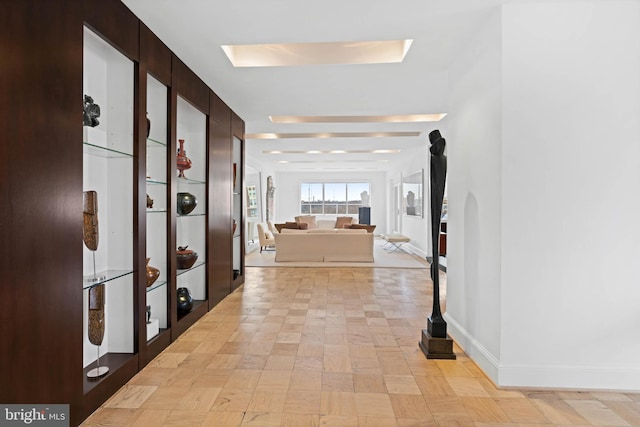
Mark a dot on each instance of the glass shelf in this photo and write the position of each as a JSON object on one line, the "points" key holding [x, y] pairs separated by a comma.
{"points": [[109, 275], [191, 215], [156, 210], [152, 143], [196, 265], [156, 285], [151, 181], [99, 151], [189, 181]]}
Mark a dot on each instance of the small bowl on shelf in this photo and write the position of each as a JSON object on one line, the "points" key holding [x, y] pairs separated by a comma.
{"points": [[185, 258]]}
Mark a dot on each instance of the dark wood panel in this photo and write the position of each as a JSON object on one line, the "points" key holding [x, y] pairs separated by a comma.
{"points": [[200, 308], [221, 255], [155, 55], [123, 367], [237, 126], [189, 85], [115, 23], [41, 209], [220, 111], [155, 346]]}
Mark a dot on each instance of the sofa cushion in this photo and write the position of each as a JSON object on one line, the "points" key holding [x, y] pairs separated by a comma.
{"points": [[308, 219], [341, 221]]}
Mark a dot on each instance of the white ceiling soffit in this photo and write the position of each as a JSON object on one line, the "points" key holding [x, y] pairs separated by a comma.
{"points": [[196, 30]]}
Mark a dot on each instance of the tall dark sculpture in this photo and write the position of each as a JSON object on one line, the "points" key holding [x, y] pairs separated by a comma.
{"points": [[435, 343]]}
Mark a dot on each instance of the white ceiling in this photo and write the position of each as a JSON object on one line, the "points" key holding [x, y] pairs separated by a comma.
{"points": [[196, 29]]}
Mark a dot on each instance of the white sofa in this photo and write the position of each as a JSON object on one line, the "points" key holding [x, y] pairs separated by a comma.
{"points": [[319, 245]]}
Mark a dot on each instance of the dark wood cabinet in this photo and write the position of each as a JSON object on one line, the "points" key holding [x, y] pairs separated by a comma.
{"points": [[48, 159]]}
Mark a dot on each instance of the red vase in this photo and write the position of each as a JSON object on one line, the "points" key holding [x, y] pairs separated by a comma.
{"points": [[182, 161]]}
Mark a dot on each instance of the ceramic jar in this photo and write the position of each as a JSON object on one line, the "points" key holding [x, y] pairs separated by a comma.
{"points": [[185, 258], [186, 203], [152, 273]]}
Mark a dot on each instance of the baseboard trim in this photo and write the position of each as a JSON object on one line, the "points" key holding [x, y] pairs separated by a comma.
{"points": [[611, 378], [473, 348]]}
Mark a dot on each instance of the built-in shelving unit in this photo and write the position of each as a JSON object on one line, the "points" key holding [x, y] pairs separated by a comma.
{"points": [[237, 203], [157, 150], [109, 303], [191, 229], [63, 288]]}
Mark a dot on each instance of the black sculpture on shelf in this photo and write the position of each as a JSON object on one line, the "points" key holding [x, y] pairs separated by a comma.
{"points": [[185, 301], [435, 343], [90, 112]]}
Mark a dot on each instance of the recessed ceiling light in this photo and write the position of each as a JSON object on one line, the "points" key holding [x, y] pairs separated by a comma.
{"points": [[330, 135], [407, 118], [280, 55]]}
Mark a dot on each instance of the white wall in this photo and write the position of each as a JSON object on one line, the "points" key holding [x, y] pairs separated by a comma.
{"points": [[571, 175], [418, 229], [474, 182], [560, 150], [287, 196]]}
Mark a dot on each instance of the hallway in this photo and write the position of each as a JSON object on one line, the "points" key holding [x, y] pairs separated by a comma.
{"points": [[334, 347]]}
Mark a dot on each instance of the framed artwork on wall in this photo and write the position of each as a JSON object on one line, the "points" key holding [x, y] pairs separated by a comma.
{"points": [[413, 194]]}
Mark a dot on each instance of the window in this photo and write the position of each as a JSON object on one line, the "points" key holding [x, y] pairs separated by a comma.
{"points": [[333, 198]]}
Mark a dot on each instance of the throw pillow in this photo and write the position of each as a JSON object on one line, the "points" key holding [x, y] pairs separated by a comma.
{"points": [[308, 219], [341, 221], [268, 235]]}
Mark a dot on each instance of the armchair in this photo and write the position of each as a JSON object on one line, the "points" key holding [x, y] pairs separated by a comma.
{"points": [[266, 237]]}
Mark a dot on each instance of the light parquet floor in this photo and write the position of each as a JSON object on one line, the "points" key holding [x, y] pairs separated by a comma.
{"points": [[334, 347]]}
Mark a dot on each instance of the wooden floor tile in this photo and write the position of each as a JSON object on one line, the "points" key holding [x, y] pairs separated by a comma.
{"points": [[149, 418], [559, 412], [130, 396], [222, 419], [369, 383], [302, 379], [374, 405], [261, 419], [322, 347], [232, 400], [484, 409], [266, 400], [597, 413], [302, 402], [410, 406], [521, 411]]}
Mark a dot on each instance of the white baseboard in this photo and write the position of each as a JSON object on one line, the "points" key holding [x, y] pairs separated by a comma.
{"points": [[611, 378], [474, 349], [408, 247]]}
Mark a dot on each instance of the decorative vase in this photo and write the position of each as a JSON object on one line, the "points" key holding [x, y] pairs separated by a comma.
{"points": [[185, 258], [149, 202], [185, 301], [182, 161], [186, 203], [152, 274], [235, 225]]}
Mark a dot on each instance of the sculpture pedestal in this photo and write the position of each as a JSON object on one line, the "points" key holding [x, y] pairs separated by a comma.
{"points": [[436, 348]]}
